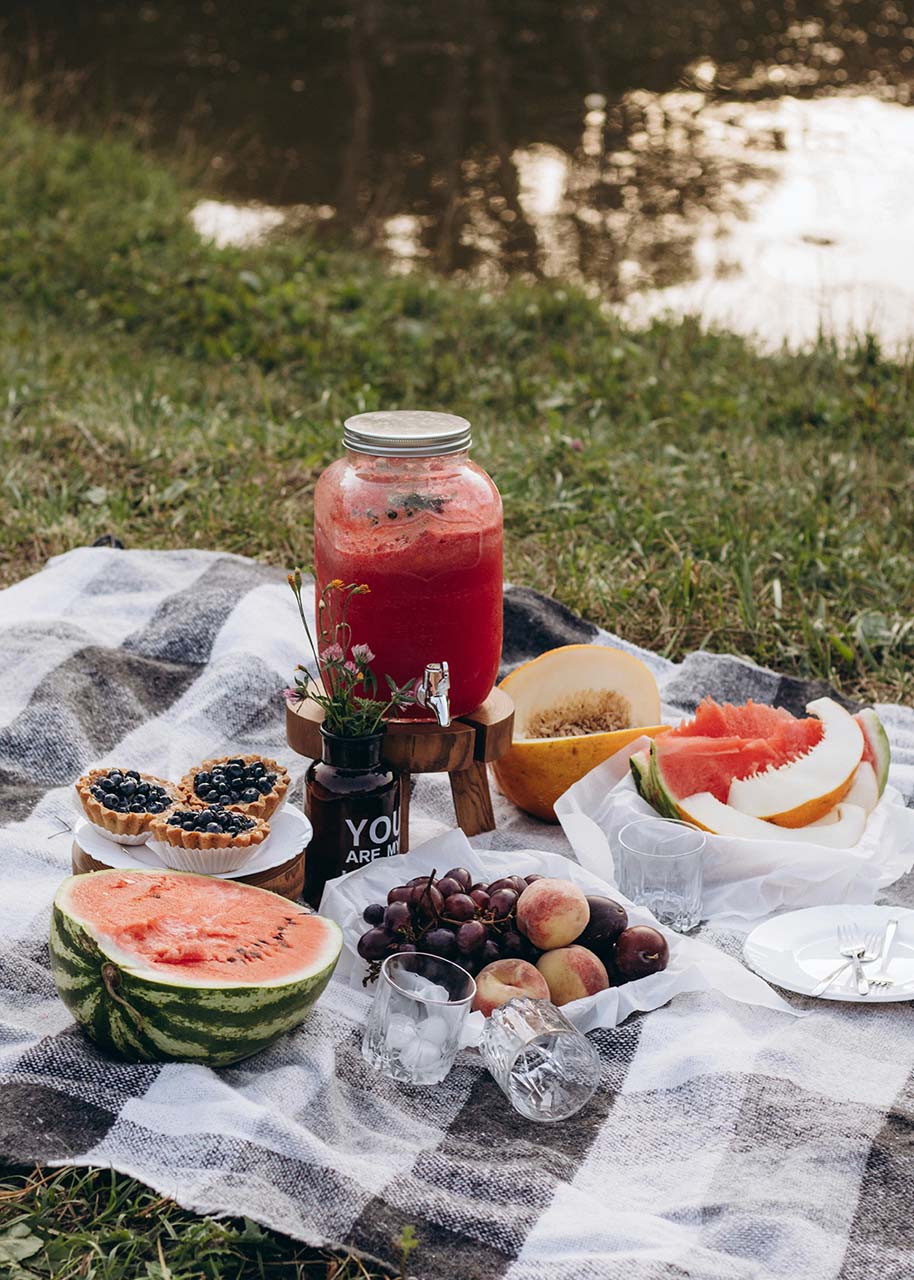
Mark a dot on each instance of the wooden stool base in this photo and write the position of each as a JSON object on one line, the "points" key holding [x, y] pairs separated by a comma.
{"points": [[288, 879], [462, 750]]}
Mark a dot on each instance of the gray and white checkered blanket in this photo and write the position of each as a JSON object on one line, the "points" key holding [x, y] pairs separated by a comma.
{"points": [[726, 1141]]}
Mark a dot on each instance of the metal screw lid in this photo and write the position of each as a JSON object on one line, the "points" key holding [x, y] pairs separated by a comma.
{"points": [[405, 432]]}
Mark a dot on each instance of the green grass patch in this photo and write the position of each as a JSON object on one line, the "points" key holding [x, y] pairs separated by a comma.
{"points": [[671, 484], [85, 1224]]}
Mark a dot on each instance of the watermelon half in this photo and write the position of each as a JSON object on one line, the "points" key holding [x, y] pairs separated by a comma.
{"points": [[167, 966]]}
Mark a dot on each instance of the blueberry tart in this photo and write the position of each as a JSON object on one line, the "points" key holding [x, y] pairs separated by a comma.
{"points": [[251, 785], [122, 803], [206, 839]]}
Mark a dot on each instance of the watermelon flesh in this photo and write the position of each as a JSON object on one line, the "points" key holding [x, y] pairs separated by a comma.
{"points": [[160, 966], [697, 757]]}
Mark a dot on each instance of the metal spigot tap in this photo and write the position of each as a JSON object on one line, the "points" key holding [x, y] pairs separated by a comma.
{"points": [[433, 692]]}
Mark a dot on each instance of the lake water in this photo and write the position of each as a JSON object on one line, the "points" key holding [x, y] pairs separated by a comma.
{"points": [[750, 161]]}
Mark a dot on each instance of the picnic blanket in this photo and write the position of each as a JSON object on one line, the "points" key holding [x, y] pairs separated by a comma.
{"points": [[726, 1140]]}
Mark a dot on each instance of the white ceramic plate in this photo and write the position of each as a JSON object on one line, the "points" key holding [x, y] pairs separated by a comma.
{"points": [[290, 831], [799, 950]]}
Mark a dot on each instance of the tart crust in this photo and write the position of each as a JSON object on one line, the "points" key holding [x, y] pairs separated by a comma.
{"points": [[121, 824], [181, 839], [263, 807]]}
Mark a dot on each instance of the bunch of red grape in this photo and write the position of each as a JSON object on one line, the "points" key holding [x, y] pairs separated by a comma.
{"points": [[470, 923]]}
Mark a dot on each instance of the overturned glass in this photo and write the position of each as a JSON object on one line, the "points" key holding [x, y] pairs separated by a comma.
{"points": [[544, 1066]]}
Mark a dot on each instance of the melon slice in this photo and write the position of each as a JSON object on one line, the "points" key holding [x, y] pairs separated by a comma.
{"points": [[159, 966], [573, 708], [864, 788], [804, 789], [842, 831]]}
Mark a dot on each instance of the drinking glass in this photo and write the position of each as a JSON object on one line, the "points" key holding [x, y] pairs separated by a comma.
{"points": [[543, 1065], [659, 866], [415, 1023]]}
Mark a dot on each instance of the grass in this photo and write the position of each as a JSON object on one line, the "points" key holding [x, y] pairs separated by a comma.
{"points": [[80, 1224], [670, 484]]}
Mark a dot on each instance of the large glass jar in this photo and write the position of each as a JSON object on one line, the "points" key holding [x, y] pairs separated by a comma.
{"points": [[407, 513]]}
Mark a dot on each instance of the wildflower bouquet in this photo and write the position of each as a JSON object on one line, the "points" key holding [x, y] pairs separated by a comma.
{"points": [[344, 668]]}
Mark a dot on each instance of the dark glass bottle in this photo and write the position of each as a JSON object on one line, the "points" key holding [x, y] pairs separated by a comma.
{"points": [[353, 802]]}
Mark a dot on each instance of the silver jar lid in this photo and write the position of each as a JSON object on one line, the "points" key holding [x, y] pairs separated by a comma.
{"points": [[405, 432]]}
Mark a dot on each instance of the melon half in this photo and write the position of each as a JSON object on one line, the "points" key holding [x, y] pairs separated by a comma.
{"points": [[573, 708]]}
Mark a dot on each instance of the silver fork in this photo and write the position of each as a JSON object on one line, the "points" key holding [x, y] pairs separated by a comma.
{"points": [[881, 978], [858, 949], [869, 951]]}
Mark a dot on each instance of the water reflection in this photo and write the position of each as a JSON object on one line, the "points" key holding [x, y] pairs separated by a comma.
{"points": [[675, 151]]}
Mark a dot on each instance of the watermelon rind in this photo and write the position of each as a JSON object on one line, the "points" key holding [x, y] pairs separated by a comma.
{"points": [[877, 748], [146, 1018], [640, 765], [661, 798]]}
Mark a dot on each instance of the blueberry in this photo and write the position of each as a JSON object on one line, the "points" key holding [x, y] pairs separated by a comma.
{"points": [[264, 786], [132, 773], [127, 788], [137, 807], [250, 795]]}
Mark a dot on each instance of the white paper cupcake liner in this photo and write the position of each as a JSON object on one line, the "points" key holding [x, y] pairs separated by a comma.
{"points": [[205, 862], [116, 836]]}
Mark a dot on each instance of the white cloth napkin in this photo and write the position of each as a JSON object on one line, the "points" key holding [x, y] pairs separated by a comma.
{"points": [[694, 965], [744, 880]]}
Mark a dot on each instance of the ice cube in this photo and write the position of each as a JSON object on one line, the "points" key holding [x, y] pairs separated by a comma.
{"points": [[420, 1055], [400, 1031], [418, 985], [434, 1029]]}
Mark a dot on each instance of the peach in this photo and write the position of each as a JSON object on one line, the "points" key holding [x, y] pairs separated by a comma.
{"points": [[572, 973], [552, 913], [503, 980]]}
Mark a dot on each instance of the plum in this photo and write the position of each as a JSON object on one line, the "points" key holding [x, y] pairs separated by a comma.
{"points": [[608, 919], [640, 951]]}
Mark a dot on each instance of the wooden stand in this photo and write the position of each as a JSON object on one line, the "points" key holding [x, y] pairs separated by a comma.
{"points": [[287, 879], [462, 750]]}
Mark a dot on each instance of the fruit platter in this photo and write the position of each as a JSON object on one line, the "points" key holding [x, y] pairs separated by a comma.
{"points": [[797, 810], [565, 935]]}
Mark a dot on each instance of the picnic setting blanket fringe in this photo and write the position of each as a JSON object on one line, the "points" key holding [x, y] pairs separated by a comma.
{"points": [[726, 1140]]}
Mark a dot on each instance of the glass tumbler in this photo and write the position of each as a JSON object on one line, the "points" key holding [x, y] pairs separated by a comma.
{"points": [[415, 1023], [659, 866], [543, 1065]]}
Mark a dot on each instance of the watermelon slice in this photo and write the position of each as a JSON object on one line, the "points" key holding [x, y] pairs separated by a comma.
{"points": [[723, 743], [770, 766], [809, 785], [163, 965], [876, 750]]}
